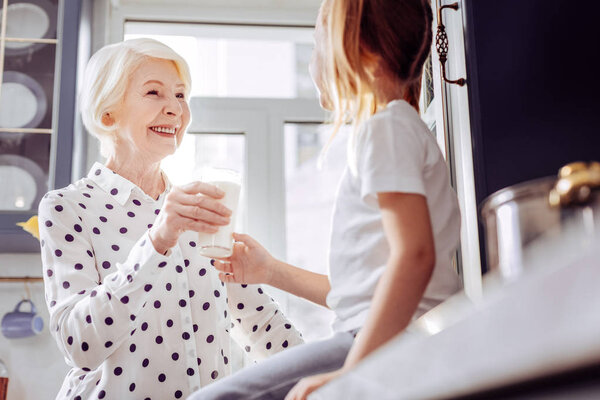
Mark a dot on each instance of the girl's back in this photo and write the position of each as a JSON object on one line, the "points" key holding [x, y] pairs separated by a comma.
{"points": [[397, 153]]}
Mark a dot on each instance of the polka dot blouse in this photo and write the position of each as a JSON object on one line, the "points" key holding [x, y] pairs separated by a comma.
{"points": [[133, 323]]}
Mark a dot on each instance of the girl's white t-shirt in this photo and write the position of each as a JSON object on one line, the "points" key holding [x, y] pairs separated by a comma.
{"points": [[396, 153]]}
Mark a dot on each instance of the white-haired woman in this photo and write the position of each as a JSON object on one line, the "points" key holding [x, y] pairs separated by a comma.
{"points": [[134, 308]]}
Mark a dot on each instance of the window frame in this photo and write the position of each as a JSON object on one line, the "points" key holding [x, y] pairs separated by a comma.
{"points": [[262, 121]]}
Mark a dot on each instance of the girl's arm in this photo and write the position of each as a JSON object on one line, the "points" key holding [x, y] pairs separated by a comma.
{"points": [[300, 282], [407, 227], [251, 263]]}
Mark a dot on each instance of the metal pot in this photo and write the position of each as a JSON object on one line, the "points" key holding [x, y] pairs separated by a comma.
{"points": [[525, 222]]}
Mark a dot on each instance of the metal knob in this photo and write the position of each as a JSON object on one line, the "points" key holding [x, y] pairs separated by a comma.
{"points": [[575, 184]]}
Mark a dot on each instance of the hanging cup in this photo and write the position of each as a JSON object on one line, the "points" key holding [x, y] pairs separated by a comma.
{"points": [[21, 324]]}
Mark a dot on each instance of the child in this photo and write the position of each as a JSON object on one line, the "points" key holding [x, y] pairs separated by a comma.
{"points": [[396, 221]]}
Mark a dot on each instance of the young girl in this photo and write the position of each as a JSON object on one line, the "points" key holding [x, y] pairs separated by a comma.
{"points": [[396, 221]]}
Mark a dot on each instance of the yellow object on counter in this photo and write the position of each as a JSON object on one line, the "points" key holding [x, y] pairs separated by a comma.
{"points": [[31, 226]]}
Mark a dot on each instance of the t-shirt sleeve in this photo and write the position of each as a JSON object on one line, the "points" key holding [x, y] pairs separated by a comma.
{"points": [[391, 158]]}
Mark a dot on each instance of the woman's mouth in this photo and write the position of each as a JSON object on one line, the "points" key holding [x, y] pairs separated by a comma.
{"points": [[164, 130]]}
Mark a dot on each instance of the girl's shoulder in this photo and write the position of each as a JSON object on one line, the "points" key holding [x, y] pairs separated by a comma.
{"points": [[398, 119]]}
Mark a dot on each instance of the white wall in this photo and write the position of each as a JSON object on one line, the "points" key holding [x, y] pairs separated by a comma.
{"points": [[36, 368]]}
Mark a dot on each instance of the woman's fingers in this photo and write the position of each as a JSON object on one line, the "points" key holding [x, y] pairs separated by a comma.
{"points": [[201, 214], [203, 188], [198, 226], [202, 202]]}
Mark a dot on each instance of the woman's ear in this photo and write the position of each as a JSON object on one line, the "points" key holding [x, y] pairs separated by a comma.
{"points": [[108, 119]]}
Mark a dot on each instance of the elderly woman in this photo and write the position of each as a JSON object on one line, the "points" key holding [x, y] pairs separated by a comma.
{"points": [[135, 309]]}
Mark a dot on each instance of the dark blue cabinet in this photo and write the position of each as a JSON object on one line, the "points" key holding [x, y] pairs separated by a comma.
{"points": [[533, 89], [37, 113]]}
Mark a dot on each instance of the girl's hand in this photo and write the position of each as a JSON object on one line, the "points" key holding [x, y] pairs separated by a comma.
{"points": [[308, 385], [193, 207], [249, 263]]}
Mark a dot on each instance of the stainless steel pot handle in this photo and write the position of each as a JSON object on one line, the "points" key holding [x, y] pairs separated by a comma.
{"points": [[575, 184]]}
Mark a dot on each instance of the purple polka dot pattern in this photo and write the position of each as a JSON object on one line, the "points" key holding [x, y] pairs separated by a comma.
{"points": [[96, 246]]}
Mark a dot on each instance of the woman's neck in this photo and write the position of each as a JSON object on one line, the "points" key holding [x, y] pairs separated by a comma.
{"points": [[146, 175]]}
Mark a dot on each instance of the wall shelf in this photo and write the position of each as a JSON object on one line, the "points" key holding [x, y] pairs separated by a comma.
{"points": [[21, 279]]}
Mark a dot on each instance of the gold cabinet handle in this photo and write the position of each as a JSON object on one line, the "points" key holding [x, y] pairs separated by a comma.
{"points": [[575, 184], [441, 45]]}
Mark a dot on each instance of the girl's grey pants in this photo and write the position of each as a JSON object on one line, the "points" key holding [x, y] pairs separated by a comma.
{"points": [[272, 379]]}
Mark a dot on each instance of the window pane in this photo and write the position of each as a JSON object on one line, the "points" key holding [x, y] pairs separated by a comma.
{"points": [[310, 195], [198, 150], [216, 150], [238, 61]]}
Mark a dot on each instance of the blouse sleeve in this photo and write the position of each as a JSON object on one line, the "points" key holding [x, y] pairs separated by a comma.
{"points": [[258, 324], [89, 319]]}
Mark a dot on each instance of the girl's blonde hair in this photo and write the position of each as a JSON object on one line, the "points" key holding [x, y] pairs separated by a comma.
{"points": [[361, 33], [106, 77]]}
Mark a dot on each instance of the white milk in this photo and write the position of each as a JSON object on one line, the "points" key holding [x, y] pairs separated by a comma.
{"points": [[217, 245]]}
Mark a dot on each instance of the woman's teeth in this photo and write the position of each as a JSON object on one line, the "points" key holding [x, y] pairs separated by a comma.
{"points": [[163, 129]]}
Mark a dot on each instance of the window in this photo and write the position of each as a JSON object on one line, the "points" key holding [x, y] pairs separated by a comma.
{"points": [[201, 149], [238, 61], [254, 109], [310, 195]]}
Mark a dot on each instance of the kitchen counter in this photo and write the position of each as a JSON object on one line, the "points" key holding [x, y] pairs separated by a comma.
{"points": [[544, 324]]}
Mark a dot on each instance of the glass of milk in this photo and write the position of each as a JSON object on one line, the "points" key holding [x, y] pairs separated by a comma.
{"points": [[220, 244]]}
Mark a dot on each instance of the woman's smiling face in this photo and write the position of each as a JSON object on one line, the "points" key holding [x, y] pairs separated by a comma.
{"points": [[154, 113]]}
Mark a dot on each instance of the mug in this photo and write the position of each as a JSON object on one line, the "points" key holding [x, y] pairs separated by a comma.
{"points": [[22, 324]]}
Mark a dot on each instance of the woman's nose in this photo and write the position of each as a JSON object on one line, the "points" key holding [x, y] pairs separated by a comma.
{"points": [[173, 107]]}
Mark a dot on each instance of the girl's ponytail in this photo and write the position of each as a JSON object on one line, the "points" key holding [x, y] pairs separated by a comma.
{"points": [[413, 94], [362, 33]]}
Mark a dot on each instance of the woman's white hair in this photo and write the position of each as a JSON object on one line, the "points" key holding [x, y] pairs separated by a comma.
{"points": [[106, 77]]}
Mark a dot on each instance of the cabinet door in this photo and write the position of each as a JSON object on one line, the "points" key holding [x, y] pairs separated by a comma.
{"points": [[529, 105], [38, 52]]}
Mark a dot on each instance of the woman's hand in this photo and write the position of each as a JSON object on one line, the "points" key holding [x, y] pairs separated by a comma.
{"points": [[249, 263], [308, 385], [193, 207]]}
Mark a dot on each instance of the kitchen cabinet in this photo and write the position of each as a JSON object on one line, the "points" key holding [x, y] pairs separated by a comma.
{"points": [[528, 107], [39, 43]]}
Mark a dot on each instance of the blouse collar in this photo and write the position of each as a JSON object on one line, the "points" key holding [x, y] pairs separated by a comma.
{"points": [[117, 186]]}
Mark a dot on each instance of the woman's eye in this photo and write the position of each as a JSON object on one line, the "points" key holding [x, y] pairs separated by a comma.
{"points": [[180, 96], [153, 92]]}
